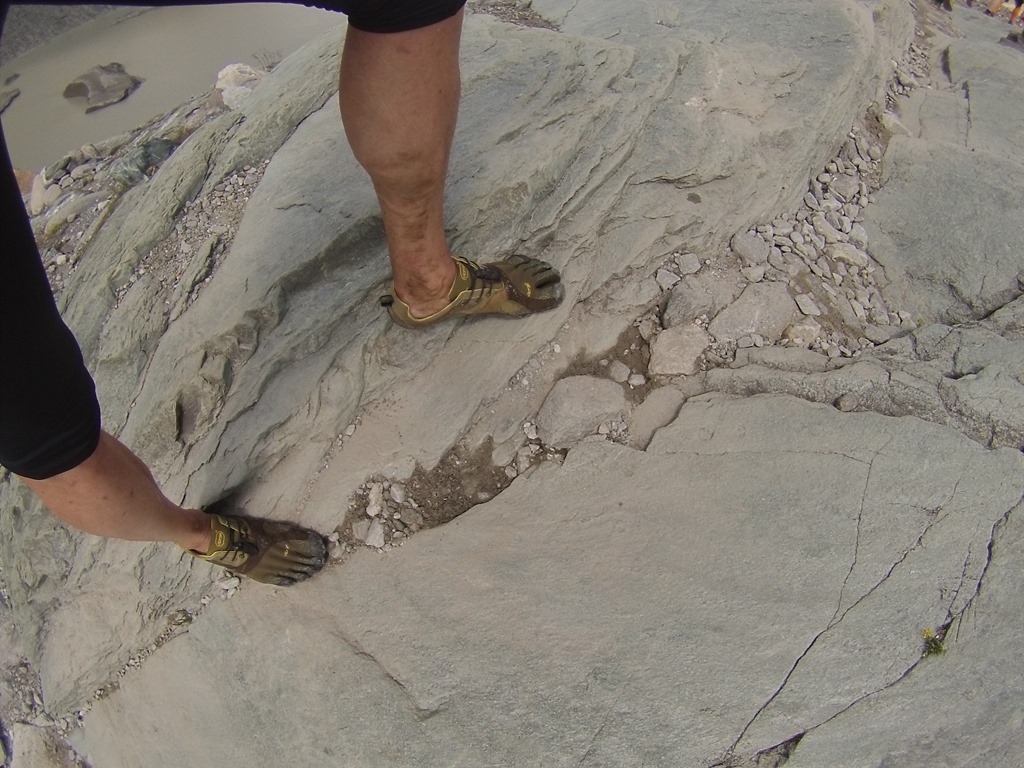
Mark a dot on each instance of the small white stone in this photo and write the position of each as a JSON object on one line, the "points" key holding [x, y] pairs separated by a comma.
{"points": [[666, 279], [688, 263], [807, 304], [618, 371], [530, 430], [375, 501], [648, 328], [335, 550], [754, 274], [361, 529], [636, 380], [398, 493], [375, 536], [231, 582]]}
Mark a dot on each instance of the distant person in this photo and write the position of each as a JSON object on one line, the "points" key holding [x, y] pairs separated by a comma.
{"points": [[399, 92], [1015, 14], [995, 7]]}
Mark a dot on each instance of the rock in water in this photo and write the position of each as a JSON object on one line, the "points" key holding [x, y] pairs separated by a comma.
{"points": [[103, 86]]}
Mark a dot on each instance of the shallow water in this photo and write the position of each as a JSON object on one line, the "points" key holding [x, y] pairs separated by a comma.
{"points": [[177, 50]]}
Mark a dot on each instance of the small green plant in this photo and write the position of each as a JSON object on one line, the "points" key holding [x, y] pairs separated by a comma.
{"points": [[267, 60], [933, 643]]}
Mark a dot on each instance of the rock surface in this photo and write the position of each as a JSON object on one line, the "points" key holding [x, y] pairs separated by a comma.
{"points": [[813, 535], [235, 82], [576, 407], [535, 653]]}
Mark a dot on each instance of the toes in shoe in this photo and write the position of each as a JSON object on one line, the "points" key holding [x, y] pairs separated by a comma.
{"points": [[264, 550], [514, 286]]}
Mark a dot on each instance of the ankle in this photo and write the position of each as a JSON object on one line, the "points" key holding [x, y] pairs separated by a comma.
{"points": [[195, 536], [427, 292]]}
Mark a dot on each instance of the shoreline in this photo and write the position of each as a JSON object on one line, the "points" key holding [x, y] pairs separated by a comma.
{"points": [[29, 26]]}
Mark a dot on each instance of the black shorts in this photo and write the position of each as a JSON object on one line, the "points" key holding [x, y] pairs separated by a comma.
{"points": [[49, 418], [368, 15], [49, 415]]}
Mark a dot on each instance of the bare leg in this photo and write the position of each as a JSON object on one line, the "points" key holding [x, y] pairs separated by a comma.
{"points": [[399, 98], [113, 494]]}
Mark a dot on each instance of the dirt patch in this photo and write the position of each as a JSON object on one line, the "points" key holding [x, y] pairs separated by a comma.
{"points": [[462, 479], [630, 349], [513, 12], [384, 512]]}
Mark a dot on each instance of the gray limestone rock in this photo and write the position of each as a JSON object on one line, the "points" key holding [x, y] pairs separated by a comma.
{"points": [[677, 351], [754, 274], [658, 409], [689, 263], [959, 707], [783, 599], [845, 187], [361, 529], [766, 309], [601, 147], [849, 254], [750, 247], [988, 76], [970, 377], [782, 359], [826, 230], [576, 407], [803, 332], [946, 274], [618, 371], [805, 302], [666, 279], [706, 293], [375, 534], [34, 747]]}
